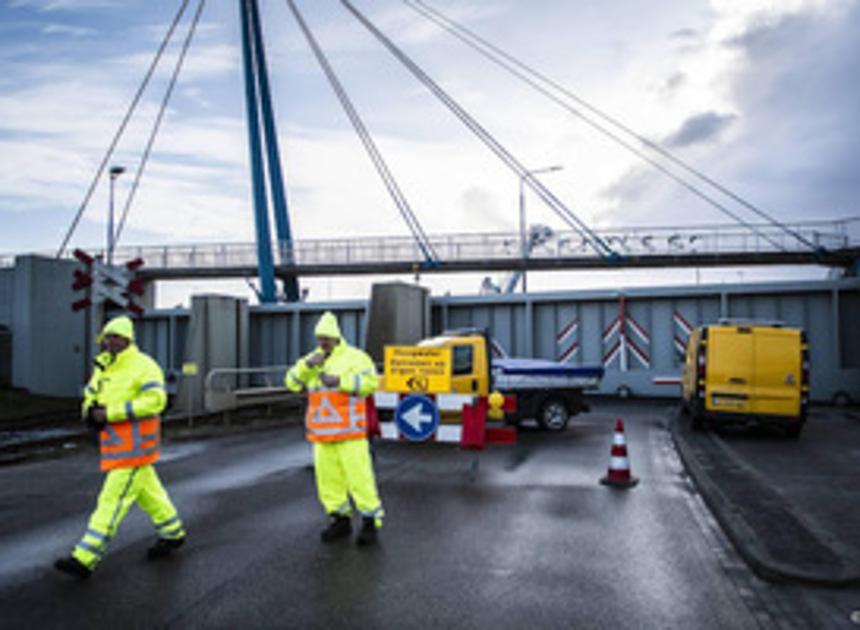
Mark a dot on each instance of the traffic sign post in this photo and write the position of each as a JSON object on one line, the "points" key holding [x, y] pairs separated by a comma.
{"points": [[417, 418], [417, 369]]}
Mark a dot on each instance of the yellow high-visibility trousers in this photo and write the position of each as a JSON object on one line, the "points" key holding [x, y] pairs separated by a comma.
{"points": [[121, 489], [344, 470]]}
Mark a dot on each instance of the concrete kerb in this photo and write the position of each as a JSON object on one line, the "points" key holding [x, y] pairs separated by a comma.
{"points": [[748, 545]]}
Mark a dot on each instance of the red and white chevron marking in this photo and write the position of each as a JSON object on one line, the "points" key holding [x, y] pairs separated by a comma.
{"points": [[568, 353], [568, 332], [625, 344], [638, 330], [684, 330], [613, 328]]}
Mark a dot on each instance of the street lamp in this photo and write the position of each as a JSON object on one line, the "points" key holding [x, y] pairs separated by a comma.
{"points": [[523, 237], [115, 171]]}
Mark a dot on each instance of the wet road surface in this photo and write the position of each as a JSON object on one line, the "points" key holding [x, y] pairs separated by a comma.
{"points": [[529, 541]]}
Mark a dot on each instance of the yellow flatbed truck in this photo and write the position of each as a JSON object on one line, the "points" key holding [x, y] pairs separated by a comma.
{"points": [[549, 392]]}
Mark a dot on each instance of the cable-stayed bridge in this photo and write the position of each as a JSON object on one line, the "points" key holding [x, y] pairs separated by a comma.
{"points": [[755, 236]]}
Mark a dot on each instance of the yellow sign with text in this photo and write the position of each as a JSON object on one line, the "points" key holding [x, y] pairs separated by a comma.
{"points": [[416, 369], [189, 369]]}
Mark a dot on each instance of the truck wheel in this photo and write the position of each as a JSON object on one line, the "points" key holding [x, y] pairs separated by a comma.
{"points": [[553, 415]]}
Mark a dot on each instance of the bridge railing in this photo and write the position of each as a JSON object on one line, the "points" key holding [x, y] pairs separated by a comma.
{"points": [[643, 241], [713, 239]]}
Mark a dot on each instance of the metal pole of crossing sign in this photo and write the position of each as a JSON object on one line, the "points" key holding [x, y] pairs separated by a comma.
{"points": [[115, 171]]}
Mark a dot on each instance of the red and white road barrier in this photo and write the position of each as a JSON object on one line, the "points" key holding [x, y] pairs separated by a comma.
{"points": [[619, 475], [473, 432]]}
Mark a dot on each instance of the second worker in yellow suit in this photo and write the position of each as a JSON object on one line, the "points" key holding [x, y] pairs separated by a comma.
{"points": [[338, 377], [122, 401]]}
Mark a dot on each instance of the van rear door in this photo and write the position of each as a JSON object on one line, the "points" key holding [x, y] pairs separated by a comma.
{"points": [[777, 372], [729, 369]]}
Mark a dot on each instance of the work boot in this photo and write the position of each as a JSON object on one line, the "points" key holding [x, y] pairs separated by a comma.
{"points": [[339, 527], [164, 547], [367, 535], [74, 567]]}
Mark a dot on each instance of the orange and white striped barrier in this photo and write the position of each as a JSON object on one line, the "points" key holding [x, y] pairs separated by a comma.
{"points": [[619, 475]]}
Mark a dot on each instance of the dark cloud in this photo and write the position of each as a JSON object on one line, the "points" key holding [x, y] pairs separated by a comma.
{"points": [[795, 144], [674, 82], [699, 128], [684, 34]]}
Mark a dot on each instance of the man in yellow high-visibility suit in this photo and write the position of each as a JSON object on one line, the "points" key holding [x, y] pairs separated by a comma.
{"points": [[122, 401], [338, 377]]}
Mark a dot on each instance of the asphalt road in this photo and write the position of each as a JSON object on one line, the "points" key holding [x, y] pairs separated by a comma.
{"points": [[530, 541]]}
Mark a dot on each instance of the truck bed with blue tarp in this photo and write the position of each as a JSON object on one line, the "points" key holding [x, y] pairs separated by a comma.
{"points": [[511, 374]]}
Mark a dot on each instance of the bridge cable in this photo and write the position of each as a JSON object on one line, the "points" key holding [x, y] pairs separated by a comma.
{"points": [[530, 76], [157, 124], [123, 124], [494, 145], [376, 157]]}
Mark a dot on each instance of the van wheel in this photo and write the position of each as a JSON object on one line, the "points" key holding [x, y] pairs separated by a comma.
{"points": [[793, 431], [553, 415], [696, 422], [841, 399]]}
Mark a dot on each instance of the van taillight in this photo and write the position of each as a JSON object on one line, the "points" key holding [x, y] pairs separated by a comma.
{"points": [[700, 371], [804, 373]]}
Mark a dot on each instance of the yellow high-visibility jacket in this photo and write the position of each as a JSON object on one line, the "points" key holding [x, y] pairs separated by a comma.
{"points": [[130, 386]]}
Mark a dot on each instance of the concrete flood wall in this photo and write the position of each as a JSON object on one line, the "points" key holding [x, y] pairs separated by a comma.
{"points": [[398, 313], [48, 350]]}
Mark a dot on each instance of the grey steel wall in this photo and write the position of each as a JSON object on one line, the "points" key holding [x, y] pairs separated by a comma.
{"points": [[577, 327], [279, 334], [580, 327]]}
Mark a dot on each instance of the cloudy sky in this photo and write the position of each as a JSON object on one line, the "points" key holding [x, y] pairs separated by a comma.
{"points": [[758, 94]]}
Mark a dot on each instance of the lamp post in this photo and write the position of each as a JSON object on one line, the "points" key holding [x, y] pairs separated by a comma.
{"points": [[115, 171], [524, 246]]}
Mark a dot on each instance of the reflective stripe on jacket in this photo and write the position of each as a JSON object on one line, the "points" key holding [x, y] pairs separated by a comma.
{"points": [[334, 416], [130, 444]]}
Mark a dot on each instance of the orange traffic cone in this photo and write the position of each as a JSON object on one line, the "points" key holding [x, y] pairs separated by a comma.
{"points": [[618, 474]]}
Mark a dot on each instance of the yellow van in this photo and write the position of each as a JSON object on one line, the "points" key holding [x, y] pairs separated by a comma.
{"points": [[743, 372]]}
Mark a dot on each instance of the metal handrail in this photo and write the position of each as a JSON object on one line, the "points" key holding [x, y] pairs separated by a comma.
{"points": [[221, 393], [642, 240]]}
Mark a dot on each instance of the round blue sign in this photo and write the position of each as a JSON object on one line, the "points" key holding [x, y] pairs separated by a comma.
{"points": [[417, 417]]}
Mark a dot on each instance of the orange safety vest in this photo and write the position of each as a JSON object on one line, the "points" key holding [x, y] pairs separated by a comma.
{"points": [[334, 416], [130, 443]]}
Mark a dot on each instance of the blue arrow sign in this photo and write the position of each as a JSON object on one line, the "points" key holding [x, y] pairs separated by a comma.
{"points": [[417, 417]]}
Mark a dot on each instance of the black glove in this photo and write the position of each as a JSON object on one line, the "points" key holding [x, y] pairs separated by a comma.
{"points": [[95, 425]]}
